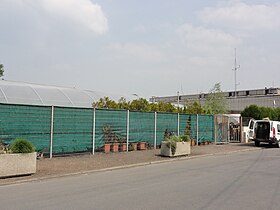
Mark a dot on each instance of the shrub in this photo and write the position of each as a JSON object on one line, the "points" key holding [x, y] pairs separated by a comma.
{"points": [[22, 146], [171, 142], [185, 138]]}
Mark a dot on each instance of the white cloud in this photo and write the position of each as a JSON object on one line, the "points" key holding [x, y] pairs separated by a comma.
{"points": [[83, 12], [140, 52], [209, 41], [243, 16]]}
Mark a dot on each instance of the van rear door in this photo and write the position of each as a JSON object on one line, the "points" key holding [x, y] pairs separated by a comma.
{"points": [[251, 129]]}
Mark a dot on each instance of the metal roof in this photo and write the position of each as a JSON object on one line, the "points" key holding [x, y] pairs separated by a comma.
{"points": [[34, 94]]}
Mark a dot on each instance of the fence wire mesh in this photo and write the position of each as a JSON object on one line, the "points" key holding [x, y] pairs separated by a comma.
{"points": [[187, 125], [142, 127], [166, 123], [206, 128], [73, 128], [25, 122], [110, 127]]}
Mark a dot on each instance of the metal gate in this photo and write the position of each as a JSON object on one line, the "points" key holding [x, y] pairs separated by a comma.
{"points": [[234, 129], [221, 129]]}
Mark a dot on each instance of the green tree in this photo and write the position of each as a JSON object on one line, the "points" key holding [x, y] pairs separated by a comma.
{"points": [[140, 104], [105, 103], [216, 102], [123, 104], [258, 113], [195, 108], [252, 111], [1, 70]]}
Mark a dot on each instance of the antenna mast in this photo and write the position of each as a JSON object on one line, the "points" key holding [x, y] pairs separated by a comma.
{"points": [[235, 70]]}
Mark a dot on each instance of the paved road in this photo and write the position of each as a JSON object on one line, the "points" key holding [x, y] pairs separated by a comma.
{"points": [[246, 180]]}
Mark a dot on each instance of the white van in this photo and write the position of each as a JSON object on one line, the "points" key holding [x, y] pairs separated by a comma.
{"points": [[264, 131]]}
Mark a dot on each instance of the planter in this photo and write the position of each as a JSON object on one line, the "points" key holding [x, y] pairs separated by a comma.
{"points": [[123, 147], [115, 147], [134, 146], [182, 148], [192, 142], [142, 145], [17, 164], [107, 148]]}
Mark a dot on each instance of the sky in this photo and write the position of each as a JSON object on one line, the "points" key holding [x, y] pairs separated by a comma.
{"points": [[148, 47]]}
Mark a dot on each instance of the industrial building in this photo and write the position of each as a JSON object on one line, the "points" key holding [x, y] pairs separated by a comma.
{"points": [[237, 101]]}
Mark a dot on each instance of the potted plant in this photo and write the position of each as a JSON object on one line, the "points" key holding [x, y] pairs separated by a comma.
{"points": [[18, 159], [142, 145], [175, 146], [123, 147]]}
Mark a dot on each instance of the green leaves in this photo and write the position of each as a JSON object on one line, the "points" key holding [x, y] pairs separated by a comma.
{"points": [[140, 104], [258, 113], [216, 101], [22, 146]]}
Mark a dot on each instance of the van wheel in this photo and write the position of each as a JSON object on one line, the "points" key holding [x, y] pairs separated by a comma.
{"points": [[278, 144], [257, 143]]}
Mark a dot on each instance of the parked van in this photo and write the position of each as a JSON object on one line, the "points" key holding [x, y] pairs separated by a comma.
{"points": [[264, 131]]}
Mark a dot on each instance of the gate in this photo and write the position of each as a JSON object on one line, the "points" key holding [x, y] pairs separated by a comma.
{"points": [[234, 129], [222, 129]]}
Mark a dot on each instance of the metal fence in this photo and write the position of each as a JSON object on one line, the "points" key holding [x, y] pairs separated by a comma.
{"points": [[71, 130]]}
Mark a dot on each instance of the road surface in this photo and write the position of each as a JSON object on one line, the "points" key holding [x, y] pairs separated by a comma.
{"points": [[245, 180]]}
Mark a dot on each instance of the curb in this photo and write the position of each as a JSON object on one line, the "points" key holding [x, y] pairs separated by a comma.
{"points": [[128, 166]]}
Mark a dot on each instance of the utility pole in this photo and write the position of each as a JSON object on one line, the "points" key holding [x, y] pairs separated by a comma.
{"points": [[235, 70], [178, 99]]}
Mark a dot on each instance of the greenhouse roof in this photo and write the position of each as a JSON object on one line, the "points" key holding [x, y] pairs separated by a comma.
{"points": [[34, 94]]}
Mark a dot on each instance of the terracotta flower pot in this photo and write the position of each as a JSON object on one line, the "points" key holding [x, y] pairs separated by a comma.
{"points": [[115, 147], [192, 142], [134, 146], [107, 148], [142, 145], [123, 147]]}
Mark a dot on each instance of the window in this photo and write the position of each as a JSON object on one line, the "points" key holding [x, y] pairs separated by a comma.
{"points": [[278, 128]]}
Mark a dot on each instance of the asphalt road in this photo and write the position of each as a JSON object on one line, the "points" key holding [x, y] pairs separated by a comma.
{"points": [[245, 180]]}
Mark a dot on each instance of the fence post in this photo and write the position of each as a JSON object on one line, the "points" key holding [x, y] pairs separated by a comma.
{"points": [[51, 133], [127, 130], [178, 125], [93, 130], [215, 131], [196, 129], [155, 134]]}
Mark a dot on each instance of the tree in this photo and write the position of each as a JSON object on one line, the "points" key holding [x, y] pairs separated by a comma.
{"points": [[105, 103], [195, 108], [216, 101], [1, 70], [258, 113], [252, 111]]}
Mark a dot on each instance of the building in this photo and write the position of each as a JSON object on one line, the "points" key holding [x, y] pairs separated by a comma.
{"points": [[46, 95], [267, 97]]}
